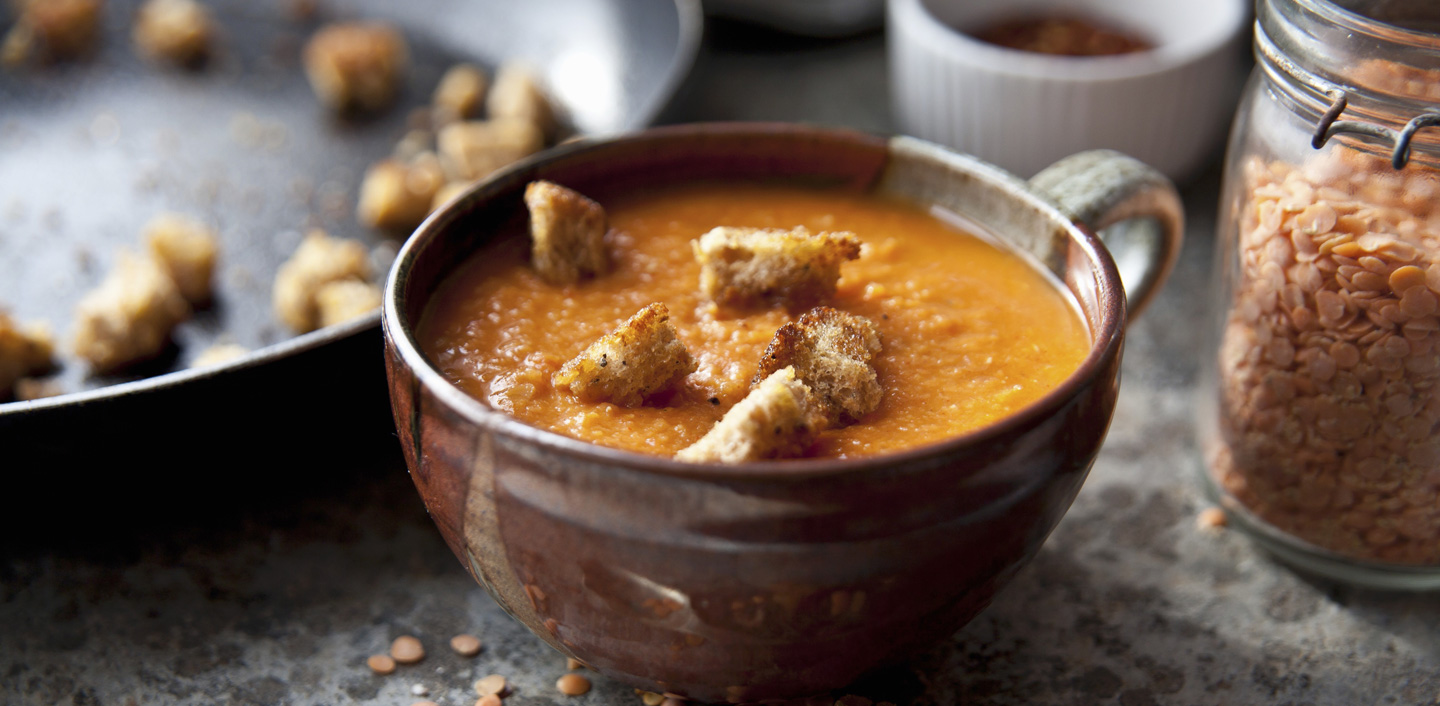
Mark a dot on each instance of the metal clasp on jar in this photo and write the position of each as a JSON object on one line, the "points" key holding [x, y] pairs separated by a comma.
{"points": [[1329, 126]]}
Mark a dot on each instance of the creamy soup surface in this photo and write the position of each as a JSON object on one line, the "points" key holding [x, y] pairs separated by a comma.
{"points": [[971, 332]]}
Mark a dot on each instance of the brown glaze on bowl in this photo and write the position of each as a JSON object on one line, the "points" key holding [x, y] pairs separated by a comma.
{"points": [[780, 579]]}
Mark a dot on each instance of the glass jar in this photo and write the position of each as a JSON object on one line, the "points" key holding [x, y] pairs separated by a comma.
{"points": [[1320, 404]]}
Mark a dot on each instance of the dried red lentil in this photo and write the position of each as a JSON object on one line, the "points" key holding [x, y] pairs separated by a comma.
{"points": [[1331, 355], [1211, 518], [493, 684], [407, 649], [488, 700], [381, 664], [572, 684], [465, 645]]}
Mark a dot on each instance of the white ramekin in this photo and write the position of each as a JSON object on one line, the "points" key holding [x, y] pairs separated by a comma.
{"points": [[1168, 106]]}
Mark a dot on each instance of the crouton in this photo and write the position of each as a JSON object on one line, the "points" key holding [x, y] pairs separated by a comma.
{"points": [[776, 420], [567, 233], [186, 249], [830, 351], [319, 260], [342, 300], [641, 357], [516, 95], [472, 150], [397, 195], [458, 95], [356, 65], [177, 31], [747, 266], [24, 350], [447, 193], [129, 317], [51, 30]]}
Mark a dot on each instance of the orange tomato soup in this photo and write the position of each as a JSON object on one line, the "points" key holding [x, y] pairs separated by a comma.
{"points": [[971, 332]]}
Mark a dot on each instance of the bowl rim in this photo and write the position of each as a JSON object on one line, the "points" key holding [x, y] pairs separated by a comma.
{"points": [[915, 17], [1106, 338]]}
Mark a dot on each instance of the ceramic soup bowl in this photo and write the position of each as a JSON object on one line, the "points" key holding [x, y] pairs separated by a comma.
{"points": [[778, 579]]}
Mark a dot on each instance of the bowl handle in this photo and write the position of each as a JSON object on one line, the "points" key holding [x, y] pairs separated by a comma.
{"points": [[1135, 209]]}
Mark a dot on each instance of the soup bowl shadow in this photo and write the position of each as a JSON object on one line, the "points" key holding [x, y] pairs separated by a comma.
{"points": [[780, 579]]}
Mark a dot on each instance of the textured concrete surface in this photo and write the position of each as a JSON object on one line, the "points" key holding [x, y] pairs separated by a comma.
{"points": [[273, 587]]}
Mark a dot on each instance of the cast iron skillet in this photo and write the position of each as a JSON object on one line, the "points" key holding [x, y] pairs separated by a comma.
{"points": [[93, 148], [88, 151]]}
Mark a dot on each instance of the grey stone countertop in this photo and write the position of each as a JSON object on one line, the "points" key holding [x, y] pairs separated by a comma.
{"points": [[274, 588]]}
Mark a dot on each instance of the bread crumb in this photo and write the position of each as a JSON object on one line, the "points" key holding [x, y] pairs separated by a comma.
{"points": [[567, 233], [459, 93], [639, 358], [747, 266], [776, 420], [356, 65], [24, 350], [219, 353], [474, 149], [831, 352], [27, 389], [187, 250], [51, 30], [396, 195], [319, 260], [129, 317], [517, 95], [178, 31]]}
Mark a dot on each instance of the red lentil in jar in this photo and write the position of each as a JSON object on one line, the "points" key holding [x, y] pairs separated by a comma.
{"points": [[1323, 435]]}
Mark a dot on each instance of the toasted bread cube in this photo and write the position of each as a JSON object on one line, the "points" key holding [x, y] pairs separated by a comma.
{"points": [[178, 31], [397, 196], [641, 357], [447, 193], [776, 420], [51, 30], [567, 233], [472, 150], [830, 351], [186, 249], [129, 317], [24, 350], [346, 299], [219, 353], [747, 266], [458, 95], [319, 260], [356, 65], [516, 95]]}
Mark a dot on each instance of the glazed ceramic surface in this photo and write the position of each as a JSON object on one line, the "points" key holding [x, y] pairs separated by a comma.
{"points": [[778, 579]]}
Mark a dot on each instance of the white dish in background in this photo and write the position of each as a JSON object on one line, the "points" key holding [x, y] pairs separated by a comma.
{"points": [[1168, 106]]}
